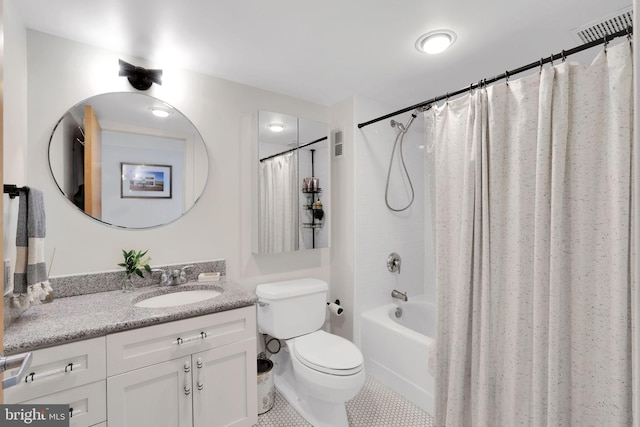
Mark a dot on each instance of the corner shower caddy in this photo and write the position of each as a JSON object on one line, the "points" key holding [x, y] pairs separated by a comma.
{"points": [[311, 197]]}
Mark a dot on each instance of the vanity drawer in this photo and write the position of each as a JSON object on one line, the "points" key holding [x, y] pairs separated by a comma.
{"points": [[60, 368], [87, 403], [137, 348]]}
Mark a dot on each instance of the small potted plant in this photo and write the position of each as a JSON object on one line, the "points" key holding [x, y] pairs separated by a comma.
{"points": [[134, 263]]}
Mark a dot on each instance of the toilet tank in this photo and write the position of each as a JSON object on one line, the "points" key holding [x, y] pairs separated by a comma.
{"points": [[291, 308]]}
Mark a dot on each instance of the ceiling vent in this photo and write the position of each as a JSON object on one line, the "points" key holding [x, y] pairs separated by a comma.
{"points": [[610, 24]]}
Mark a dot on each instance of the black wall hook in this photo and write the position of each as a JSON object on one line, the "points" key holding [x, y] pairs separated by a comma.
{"points": [[13, 190]]}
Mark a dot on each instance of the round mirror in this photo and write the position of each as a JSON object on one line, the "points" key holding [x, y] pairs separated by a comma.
{"points": [[128, 160]]}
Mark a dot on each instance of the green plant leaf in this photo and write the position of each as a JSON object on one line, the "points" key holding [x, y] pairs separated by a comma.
{"points": [[134, 262]]}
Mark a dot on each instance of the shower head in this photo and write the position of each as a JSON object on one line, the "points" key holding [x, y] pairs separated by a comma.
{"points": [[399, 125], [402, 128]]}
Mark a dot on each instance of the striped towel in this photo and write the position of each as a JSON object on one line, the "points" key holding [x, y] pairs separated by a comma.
{"points": [[30, 278]]}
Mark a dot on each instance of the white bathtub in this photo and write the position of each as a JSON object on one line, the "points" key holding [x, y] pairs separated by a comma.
{"points": [[396, 351]]}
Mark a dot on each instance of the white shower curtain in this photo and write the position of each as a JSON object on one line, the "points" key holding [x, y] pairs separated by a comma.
{"points": [[278, 221], [531, 183]]}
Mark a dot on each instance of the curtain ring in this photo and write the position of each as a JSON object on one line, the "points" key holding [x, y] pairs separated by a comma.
{"points": [[606, 42], [447, 97], [506, 76], [541, 63], [564, 57], [551, 59], [628, 34]]}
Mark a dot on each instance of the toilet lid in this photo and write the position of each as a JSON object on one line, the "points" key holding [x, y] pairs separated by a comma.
{"points": [[328, 353]]}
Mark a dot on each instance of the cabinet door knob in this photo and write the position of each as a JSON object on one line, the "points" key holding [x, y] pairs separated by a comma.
{"points": [[187, 378], [199, 364]]}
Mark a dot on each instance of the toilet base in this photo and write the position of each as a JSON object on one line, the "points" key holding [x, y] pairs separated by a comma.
{"points": [[318, 413]]}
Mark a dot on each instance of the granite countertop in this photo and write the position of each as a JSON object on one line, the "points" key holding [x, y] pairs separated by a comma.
{"points": [[92, 315]]}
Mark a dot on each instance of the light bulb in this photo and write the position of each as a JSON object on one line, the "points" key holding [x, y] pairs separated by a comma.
{"points": [[435, 41], [276, 127]]}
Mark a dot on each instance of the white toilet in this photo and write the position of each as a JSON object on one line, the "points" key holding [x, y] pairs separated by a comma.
{"points": [[316, 372]]}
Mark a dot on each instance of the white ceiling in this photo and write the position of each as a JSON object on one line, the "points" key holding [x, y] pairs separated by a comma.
{"points": [[325, 51]]}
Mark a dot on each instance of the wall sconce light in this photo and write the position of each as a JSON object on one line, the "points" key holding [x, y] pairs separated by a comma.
{"points": [[140, 78]]}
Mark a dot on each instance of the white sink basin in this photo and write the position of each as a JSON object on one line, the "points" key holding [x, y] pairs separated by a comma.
{"points": [[178, 298]]}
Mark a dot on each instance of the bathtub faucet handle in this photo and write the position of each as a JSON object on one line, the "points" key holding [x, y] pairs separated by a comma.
{"points": [[393, 262]]}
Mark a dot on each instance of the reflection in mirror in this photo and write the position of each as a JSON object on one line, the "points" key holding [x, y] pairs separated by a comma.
{"points": [[293, 180], [128, 160]]}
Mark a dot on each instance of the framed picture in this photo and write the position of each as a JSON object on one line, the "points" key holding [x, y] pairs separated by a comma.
{"points": [[145, 181]]}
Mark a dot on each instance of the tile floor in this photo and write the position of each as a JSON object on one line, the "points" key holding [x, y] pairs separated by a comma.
{"points": [[375, 405]]}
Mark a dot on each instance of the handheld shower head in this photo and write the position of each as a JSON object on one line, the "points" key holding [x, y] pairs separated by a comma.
{"points": [[399, 125], [403, 128]]}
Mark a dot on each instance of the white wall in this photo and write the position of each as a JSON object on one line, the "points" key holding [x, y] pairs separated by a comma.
{"points": [[62, 73], [343, 218], [380, 231], [15, 116]]}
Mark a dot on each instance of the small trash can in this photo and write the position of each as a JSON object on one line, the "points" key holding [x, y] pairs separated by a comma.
{"points": [[266, 391]]}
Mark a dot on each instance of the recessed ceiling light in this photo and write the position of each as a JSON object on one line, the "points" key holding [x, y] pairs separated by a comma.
{"points": [[435, 41], [160, 112], [276, 127]]}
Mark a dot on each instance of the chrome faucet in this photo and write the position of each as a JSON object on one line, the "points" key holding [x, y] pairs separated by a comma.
{"points": [[177, 277], [400, 295]]}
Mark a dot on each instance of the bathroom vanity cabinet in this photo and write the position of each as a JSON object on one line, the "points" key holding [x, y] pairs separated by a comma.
{"points": [[73, 374], [198, 372], [194, 372]]}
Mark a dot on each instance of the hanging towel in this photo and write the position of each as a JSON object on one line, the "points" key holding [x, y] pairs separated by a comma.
{"points": [[30, 278]]}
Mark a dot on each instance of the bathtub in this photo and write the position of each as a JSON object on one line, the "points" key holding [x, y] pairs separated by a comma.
{"points": [[396, 350]]}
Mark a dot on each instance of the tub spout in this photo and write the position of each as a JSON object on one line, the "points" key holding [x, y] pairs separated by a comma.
{"points": [[400, 295]]}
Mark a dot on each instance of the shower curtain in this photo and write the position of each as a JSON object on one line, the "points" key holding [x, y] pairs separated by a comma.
{"points": [[531, 183], [278, 220]]}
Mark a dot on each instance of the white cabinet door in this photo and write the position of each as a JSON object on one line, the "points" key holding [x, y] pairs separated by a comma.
{"points": [[155, 396], [224, 386]]}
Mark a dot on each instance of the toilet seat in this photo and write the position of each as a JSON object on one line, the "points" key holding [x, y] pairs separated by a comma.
{"points": [[327, 353]]}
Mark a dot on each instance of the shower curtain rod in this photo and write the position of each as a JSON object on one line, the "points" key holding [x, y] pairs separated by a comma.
{"points": [[293, 149], [427, 104]]}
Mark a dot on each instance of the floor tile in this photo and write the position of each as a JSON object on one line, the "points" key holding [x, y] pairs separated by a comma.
{"points": [[375, 405]]}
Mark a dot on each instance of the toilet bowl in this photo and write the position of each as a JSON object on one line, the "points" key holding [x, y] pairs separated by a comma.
{"points": [[326, 366], [318, 382], [315, 371]]}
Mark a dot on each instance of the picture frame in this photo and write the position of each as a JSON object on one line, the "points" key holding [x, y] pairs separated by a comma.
{"points": [[142, 181]]}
